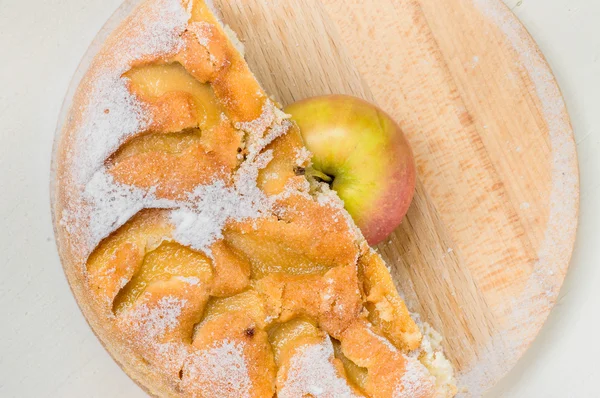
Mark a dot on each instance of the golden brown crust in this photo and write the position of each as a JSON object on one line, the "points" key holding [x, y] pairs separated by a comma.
{"points": [[157, 305], [387, 310], [384, 365]]}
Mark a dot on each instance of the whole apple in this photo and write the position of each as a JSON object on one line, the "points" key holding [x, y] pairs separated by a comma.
{"points": [[361, 152]]}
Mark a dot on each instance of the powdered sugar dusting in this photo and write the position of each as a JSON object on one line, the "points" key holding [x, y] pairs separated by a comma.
{"points": [[113, 204], [325, 196], [200, 222], [202, 31], [502, 351], [383, 340], [271, 120], [113, 113], [311, 371], [156, 321], [190, 280], [415, 382], [219, 371], [257, 126], [149, 324], [106, 205], [303, 156]]}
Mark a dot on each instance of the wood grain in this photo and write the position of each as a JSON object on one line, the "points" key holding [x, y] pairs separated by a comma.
{"points": [[487, 241]]}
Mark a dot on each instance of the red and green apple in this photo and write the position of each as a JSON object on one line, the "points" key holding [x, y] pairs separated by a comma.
{"points": [[362, 153]]}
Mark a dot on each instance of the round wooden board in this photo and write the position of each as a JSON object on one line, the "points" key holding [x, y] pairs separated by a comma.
{"points": [[487, 242]]}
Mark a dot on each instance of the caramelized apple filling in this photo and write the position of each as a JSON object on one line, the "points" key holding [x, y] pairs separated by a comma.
{"points": [[170, 88], [284, 337], [173, 164], [169, 143], [356, 374], [248, 303], [169, 260]]}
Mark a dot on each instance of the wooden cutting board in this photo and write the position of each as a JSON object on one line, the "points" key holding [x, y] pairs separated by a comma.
{"points": [[487, 242]]}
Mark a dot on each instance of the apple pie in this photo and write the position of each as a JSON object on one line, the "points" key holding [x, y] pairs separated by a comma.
{"points": [[205, 260]]}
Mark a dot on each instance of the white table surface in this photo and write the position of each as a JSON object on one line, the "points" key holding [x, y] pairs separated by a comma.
{"points": [[47, 349]]}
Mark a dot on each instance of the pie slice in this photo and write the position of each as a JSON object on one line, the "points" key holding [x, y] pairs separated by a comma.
{"points": [[205, 261]]}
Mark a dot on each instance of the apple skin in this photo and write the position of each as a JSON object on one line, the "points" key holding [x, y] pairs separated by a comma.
{"points": [[366, 154]]}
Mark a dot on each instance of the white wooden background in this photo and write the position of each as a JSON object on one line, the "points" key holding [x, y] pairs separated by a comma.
{"points": [[46, 348]]}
